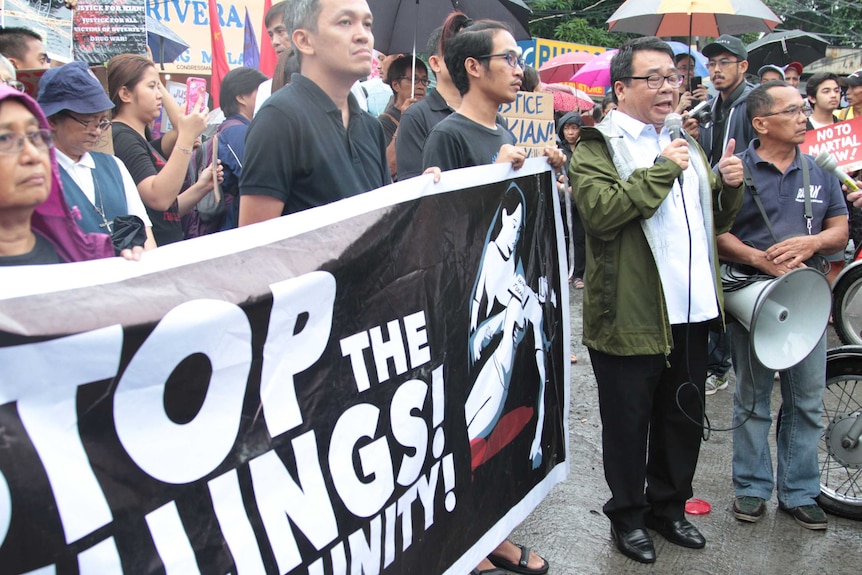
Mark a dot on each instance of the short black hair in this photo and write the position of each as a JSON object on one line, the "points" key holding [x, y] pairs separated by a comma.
{"points": [[433, 46], [238, 82], [759, 100], [621, 63], [471, 42], [402, 66], [13, 41], [531, 80], [814, 82], [275, 13]]}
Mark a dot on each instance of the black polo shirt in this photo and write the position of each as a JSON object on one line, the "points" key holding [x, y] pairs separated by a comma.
{"points": [[298, 151], [416, 123]]}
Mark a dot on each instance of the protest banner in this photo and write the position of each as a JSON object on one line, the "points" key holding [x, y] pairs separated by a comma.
{"points": [[531, 120], [376, 385], [104, 29], [50, 19], [189, 19], [840, 139]]}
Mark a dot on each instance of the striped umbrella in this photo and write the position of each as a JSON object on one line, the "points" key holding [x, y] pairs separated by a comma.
{"points": [[690, 18]]}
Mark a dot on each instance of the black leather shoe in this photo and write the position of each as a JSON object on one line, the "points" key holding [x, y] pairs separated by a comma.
{"points": [[635, 544], [680, 532]]}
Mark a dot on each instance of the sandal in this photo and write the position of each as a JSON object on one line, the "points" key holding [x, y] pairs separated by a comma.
{"points": [[521, 566], [488, 572]]}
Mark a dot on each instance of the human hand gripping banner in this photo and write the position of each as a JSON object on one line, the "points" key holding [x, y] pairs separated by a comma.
{"points": [[375, 386]]}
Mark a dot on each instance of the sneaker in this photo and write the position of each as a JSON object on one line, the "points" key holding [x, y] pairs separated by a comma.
{"points": [[809, 516], [747, 508], [715, 383]]}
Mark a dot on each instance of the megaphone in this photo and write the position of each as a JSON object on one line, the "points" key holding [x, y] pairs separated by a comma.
{"points": [[786, 316]]}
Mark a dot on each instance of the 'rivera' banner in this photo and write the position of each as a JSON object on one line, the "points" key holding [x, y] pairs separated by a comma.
{"points": [[377, 385]]}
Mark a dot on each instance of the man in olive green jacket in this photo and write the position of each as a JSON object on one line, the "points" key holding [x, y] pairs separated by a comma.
{"points": [[651, 208]]}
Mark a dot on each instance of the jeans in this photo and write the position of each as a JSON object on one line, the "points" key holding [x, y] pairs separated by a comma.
{"points": [[718, 362], [798, 479]]}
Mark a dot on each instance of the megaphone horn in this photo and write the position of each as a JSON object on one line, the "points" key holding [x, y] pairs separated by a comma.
{"points": [[786, 316]]}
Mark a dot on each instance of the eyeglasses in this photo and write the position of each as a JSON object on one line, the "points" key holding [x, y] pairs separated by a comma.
{"points": [[512, 59], [791, 112], [655, 81], [723, 63], [14, 84], [420, 81], [93, 124], [13, 142]]}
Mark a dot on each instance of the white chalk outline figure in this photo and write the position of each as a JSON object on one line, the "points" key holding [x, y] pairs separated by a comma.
{"points": [[504, 303]]}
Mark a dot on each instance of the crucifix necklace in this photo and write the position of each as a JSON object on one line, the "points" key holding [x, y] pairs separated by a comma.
{"points": [[99, 206]]}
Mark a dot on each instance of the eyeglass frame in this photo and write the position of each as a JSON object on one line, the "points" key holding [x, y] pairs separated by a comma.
{"points": [[722, 64], [664, 79], [46, 135], [14, 84], [790, 112], [518, 58], [421, 81], [101, 126]]}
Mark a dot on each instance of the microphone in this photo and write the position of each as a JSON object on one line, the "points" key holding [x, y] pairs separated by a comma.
{"points": [[828, 162], [673, 123]]}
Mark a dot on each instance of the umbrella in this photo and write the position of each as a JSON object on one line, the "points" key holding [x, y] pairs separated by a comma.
{"points": [[596, 72], [782, 48], [692, 17], [561, 68], [164, 43], [400, 26], [700, 60], [569, 99]]}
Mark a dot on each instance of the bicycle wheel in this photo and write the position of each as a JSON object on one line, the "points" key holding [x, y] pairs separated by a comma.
{"points": [[847, 305], [840, 468]]}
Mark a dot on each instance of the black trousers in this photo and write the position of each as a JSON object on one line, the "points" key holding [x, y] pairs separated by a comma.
{"points": [[652, 411]]}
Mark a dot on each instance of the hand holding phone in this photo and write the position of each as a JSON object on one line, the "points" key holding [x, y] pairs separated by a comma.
{"points": [[196, 94]]}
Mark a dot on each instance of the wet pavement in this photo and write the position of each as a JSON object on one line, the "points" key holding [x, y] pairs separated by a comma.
{"points": [[571, 532]]}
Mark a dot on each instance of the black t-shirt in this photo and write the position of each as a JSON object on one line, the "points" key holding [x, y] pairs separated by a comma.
{"points": [[42, 253], [298, 151], [143, 161], [459, 142]]}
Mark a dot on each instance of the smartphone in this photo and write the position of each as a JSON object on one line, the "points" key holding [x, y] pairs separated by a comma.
{"points": [[696, 82], [196, 90]]}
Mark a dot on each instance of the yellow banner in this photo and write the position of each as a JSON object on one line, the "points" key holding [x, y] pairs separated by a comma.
{"points": [[190, 20]]}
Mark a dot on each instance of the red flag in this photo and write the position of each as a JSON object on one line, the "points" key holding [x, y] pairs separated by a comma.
{"points": [[219, 59], [267, 52]]}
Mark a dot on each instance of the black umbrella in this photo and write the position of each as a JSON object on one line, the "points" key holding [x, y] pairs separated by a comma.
{"points": [[164, 43], [782, 48], [401, 25]]}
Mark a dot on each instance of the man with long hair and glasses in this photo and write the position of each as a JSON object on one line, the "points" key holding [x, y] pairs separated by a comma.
{"points": [[789, 184], [651, 207]]}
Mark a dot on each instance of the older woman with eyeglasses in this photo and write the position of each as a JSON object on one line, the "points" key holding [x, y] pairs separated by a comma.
{"points": [[36, 226], [97, 186]]}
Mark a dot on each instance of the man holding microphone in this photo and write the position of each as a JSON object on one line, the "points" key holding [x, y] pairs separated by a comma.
{"points": [[651, 208]]}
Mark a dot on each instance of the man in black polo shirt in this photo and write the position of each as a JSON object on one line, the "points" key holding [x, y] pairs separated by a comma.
{"points": [[311, 144], [419, 118]]}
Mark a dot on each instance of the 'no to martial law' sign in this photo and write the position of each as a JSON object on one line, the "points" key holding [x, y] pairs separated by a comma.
{"points": [[378, 386]]}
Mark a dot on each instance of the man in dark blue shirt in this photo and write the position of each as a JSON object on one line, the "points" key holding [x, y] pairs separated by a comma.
{"points": [[779, 171]]}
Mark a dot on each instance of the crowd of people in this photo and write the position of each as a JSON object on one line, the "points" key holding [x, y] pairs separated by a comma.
{"points": [[655, 211]]}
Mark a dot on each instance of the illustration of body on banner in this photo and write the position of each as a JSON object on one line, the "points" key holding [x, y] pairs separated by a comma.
{"points": [[505, 307]]}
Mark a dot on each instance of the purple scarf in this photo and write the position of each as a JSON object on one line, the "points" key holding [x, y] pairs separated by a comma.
{"points": [[53, 219]]}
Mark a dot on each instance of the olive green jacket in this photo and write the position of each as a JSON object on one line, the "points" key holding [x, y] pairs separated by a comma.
{"points": [[624, 307]]}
